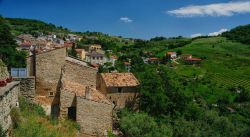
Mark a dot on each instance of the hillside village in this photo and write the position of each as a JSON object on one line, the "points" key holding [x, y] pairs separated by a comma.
{"points": [[126, 87]]}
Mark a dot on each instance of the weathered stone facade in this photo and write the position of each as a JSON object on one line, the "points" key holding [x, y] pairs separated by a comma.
{"points": [[80, 74], [8, 100], [94, 118], [117, 88], [87, 106], [48, 71], [27, 87]]}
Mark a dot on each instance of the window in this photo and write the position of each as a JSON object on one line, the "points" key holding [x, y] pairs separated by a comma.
{"points": [[51, 93]]}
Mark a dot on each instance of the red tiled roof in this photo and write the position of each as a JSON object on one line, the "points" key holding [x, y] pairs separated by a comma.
{"points": [[80, 90], [194, 59], [126, 63], [114, 57]]}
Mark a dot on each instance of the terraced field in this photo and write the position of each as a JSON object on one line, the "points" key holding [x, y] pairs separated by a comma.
{"points": [[229, 80]]}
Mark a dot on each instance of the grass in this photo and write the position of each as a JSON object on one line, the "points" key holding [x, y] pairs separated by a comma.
{"points": [[34, 123]]}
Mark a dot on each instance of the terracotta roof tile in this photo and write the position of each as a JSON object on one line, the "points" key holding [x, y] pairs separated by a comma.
{"points": [[80, 90], [119, 79]]}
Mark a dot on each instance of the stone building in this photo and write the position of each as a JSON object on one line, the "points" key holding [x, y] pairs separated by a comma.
{"points": [[120, 88], [87, 106], [46, 67]]}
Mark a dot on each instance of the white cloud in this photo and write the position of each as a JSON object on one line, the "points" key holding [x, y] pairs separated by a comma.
{"points": [[196, 35], [209, 34], [217, 9], [126, 19], [218, 32]]}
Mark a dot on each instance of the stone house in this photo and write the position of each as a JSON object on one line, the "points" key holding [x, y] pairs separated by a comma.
{"points": [[171, 55], [87, 106], [120, 88]]}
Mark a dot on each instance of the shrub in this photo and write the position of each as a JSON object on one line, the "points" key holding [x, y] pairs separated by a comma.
{"points": [[2, 132]]}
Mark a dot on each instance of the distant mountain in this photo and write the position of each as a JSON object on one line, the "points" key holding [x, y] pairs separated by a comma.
{"points": [[239, 34]]}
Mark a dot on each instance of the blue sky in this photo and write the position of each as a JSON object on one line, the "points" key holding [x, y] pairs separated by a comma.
{"points": [[135, 18]]}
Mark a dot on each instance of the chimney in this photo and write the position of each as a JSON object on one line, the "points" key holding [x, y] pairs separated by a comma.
{"points": [[88, 93]]}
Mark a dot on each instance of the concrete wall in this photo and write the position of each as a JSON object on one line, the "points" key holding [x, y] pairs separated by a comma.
{"points": [[93, 117], [80, 74], [8, 100], [27, 87]]}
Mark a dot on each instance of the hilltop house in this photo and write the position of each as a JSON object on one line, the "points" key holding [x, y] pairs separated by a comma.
{"points": [[191, 61], [120, 88], [171, 55]]}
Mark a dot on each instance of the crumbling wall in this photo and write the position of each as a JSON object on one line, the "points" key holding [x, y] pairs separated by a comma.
{"points": [[94, 118], [8, 100], [67, 99]]}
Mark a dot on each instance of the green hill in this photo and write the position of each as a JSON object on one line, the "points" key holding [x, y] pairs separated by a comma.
{"points": [[31, 26], [226, 62], [240, 34]]}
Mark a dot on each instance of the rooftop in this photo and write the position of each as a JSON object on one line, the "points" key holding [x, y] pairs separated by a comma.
{"points": [[171, 53], [119, 79], [80, 90], [194, 59], [94, 54]]}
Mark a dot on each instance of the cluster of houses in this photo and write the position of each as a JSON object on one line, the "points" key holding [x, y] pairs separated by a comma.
{"points": [[92, 54], [95, 56], [44, 43], [172, 56]]}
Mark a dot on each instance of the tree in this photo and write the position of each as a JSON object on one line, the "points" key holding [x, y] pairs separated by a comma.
{"points": [[8, 53], [73, 52], [142, 125]]}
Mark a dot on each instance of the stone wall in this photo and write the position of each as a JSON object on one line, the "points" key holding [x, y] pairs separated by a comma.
{"points": [[48, 71], [122, 99], [67, 100], [126, 95], [8, 100], [93, 117], [80, 74], [27, 87]]}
